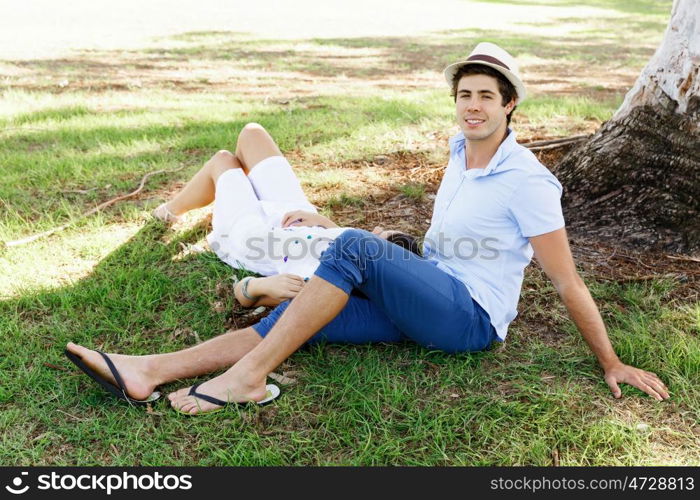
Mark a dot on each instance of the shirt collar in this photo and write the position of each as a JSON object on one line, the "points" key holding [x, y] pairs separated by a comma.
{"points": [[457, 149]]}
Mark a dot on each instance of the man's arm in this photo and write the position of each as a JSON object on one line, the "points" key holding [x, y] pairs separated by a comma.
{"points": [[554, 255]]}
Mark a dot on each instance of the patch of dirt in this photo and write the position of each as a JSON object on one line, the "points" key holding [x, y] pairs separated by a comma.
{"points": [[605, 262]]}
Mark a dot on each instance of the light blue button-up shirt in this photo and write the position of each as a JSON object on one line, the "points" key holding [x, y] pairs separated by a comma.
{"points": [[482, 220]]}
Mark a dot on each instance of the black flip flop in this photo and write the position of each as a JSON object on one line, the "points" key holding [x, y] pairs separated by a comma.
{"points": [[272, 393], [119, 391]]}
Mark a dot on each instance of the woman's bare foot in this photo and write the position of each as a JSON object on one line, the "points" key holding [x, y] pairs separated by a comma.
{"points": [[163, 213], [270, 290], [280, 286], [229, 386], [134, 370]]}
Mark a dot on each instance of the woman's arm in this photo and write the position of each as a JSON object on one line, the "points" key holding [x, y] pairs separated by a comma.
{"points": [[238, 288], [302, 218]]}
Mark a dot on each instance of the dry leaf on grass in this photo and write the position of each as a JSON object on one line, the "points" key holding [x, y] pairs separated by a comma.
{"points": [[151, 411], [223, 289], [187, 335], [257, 311], [282, 379], [55, 367], [188, 248]]}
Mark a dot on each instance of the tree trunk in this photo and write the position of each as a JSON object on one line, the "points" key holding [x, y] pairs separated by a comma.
{"points": [[637, 181]]}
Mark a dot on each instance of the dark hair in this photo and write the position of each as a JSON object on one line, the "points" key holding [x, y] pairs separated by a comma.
{"points": [[507, 89], [405, 241]]}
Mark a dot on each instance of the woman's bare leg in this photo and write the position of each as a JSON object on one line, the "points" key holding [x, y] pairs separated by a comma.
{"points": [[200, 190], [254, 145]]}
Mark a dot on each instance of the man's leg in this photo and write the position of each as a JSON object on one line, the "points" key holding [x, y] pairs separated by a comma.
{"points": [[316, 305], [428, 305], [142, 374]]}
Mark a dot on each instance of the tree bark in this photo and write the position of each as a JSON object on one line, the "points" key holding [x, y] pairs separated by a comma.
{"points": [[637, 181]]}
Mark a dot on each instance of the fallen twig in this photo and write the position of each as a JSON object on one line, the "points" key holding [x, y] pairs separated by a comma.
{"points": [[684, 258], [90, 212], [71, 416], [553, 146], [78, 191], [562, 140], [55, 367]]}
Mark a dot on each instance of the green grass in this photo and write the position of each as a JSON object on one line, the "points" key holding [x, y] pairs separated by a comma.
{"points": [[362, 405], [120, 282], [345, 200], [413, 191]]}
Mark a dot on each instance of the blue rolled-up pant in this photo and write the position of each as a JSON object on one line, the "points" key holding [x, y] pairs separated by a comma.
{"points": [[406, 297]]}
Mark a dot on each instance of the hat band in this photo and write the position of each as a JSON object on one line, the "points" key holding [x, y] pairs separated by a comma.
{"points": [[489, 59]]}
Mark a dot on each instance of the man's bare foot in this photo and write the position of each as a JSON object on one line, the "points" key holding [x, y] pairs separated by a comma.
{"points": [[228, 386], [134, 370]]}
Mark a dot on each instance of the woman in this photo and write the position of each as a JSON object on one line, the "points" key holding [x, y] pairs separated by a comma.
{"points": [[262, 221]]}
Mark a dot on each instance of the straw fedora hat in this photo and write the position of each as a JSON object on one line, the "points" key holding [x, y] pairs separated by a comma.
{"points": [[493, 56]]}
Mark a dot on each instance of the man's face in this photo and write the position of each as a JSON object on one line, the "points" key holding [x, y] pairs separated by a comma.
{"points": [[480, 113]]}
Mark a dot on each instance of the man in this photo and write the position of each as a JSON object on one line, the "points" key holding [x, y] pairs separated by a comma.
{"points": [[496, 206]]}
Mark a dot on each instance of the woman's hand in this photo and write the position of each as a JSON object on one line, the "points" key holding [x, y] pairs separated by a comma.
{"points": [[384, 233], [302, 218]]}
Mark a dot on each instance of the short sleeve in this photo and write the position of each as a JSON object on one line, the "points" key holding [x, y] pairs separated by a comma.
{"points": [[536, 205]]}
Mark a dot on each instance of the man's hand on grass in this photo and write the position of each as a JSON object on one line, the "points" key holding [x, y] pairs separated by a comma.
{"points": [[648, 382]]}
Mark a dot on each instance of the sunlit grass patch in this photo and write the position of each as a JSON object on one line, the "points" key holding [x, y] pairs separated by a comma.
{"points": [[413, 191], [331, 178], [345, 200], [63, 259], [563, 115]]}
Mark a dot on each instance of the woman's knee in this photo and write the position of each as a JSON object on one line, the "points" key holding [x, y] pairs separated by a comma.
{"points": [[221, 162], [254, 145], [253, 127], [224, 157], [252, 132]]}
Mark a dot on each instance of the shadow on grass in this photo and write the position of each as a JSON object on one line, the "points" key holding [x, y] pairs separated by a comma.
{"points": [[86, 158], [389, 57], [189, 68], [642, 7]]}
